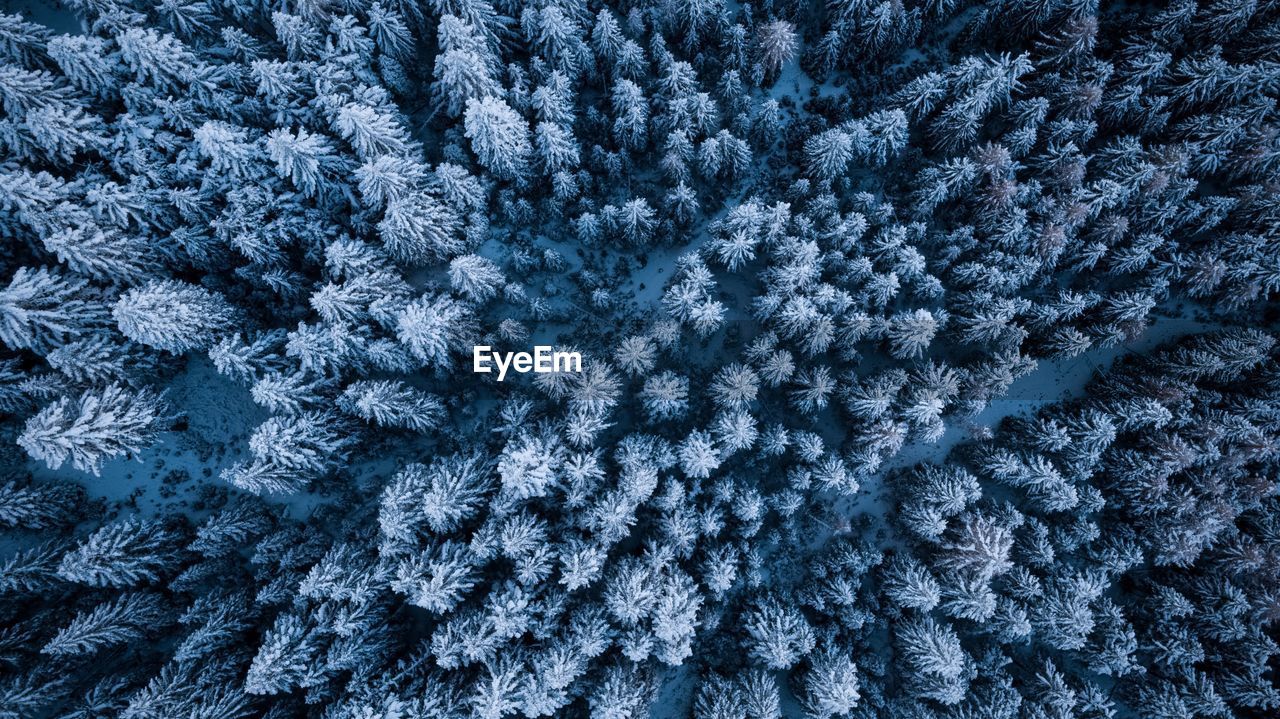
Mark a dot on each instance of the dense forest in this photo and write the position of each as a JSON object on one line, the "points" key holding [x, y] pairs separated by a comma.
{"points": [[824, 262]]}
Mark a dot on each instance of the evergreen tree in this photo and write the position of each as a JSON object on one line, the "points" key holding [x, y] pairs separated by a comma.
{"points": [[475, 277], [909, 584], [309, 442], [392, 404], [829, 153], [437, 580], [465, 69], [41, 309], [441, 496], [108, 625], [780, 636], [371, 130], [174, 316], [306, 159], [934, 660], [831, 685], [434, 327], [285, 657], [39, 506], [237, 524], [665, 396], [499, 137], [417, 229], [675, 618], [699, 456], [778, 45], [97, 426], [124, 554], [103, 254]]}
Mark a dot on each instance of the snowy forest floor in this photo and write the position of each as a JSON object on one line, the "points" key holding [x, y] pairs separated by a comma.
{"points": [[46, 12]]}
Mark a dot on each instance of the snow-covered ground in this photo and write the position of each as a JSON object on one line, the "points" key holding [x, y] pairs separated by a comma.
{"points": [[49, 13], [180, 472]]}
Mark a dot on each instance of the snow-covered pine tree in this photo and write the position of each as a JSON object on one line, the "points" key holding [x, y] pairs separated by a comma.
{"points": [[127, 553], [110, 624], [99, 425], [499, 137], [174, 316]]}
